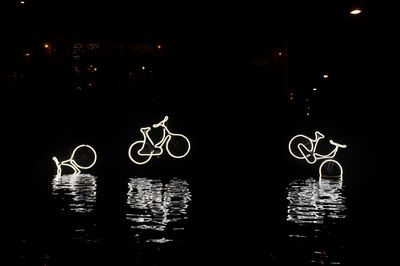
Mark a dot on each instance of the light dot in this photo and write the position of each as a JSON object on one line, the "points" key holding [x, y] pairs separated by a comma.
{"points": [[355, 11]]}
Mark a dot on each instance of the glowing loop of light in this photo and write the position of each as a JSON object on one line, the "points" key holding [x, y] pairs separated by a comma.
{"points": [[306, 147], [334, 162], [71, 162], [140, 147]]}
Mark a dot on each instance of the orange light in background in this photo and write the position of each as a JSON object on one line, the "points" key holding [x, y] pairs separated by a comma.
{"points": [[46, 45], [159, 46]]}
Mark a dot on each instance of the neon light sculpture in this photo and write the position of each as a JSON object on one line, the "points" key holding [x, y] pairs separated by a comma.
{"points": [[303, 147], [72, 162], [141, 151], [330, 165]]}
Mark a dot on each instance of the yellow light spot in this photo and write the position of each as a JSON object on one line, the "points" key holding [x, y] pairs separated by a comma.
{"points": [[355, 11]]}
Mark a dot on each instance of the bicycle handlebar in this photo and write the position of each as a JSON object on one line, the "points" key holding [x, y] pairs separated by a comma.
{"points": [[337, 144]]}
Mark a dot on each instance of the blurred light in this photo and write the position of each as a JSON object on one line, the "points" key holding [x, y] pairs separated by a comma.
{"points": [[308, 113], [314, 89], [279, 53], [143, 67], [22, 2], [159, 46], [325, 76], [27, 54], [355, 11], [46, 45]]}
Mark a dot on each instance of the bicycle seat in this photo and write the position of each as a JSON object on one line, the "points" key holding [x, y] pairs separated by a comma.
{"points": [[319, 134], [161, 123], [337, 144], [144, 129]]}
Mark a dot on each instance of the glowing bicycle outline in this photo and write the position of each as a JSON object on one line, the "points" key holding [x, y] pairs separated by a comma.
{"points": [[141, 147], [71, 162], [306, 150]]}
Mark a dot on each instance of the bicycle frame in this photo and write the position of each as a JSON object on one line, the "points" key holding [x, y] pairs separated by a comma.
{"points": [[146, 138], [309, 154], [72, 163]]}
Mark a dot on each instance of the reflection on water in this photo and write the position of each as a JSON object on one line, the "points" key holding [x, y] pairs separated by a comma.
{"points": [[78, 191], [158, 206], [314, 201], [316, 208]]}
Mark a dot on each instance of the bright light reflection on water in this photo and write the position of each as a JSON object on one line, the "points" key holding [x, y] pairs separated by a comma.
{"points": [[315, 210], [77, 190], [314, 201], [157, 206]]}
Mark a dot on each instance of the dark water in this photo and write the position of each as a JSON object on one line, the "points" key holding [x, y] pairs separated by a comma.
{"points": [[226, 202]]}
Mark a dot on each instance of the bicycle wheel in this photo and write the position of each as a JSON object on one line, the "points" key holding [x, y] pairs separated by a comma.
{"points": [[330, 168], [294, 146], [179, 144], [84, 156], [133, 153]]}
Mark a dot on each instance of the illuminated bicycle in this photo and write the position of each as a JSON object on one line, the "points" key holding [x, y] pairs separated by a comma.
{"points": [[303, 147], [83, 157], [141, 151]]}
